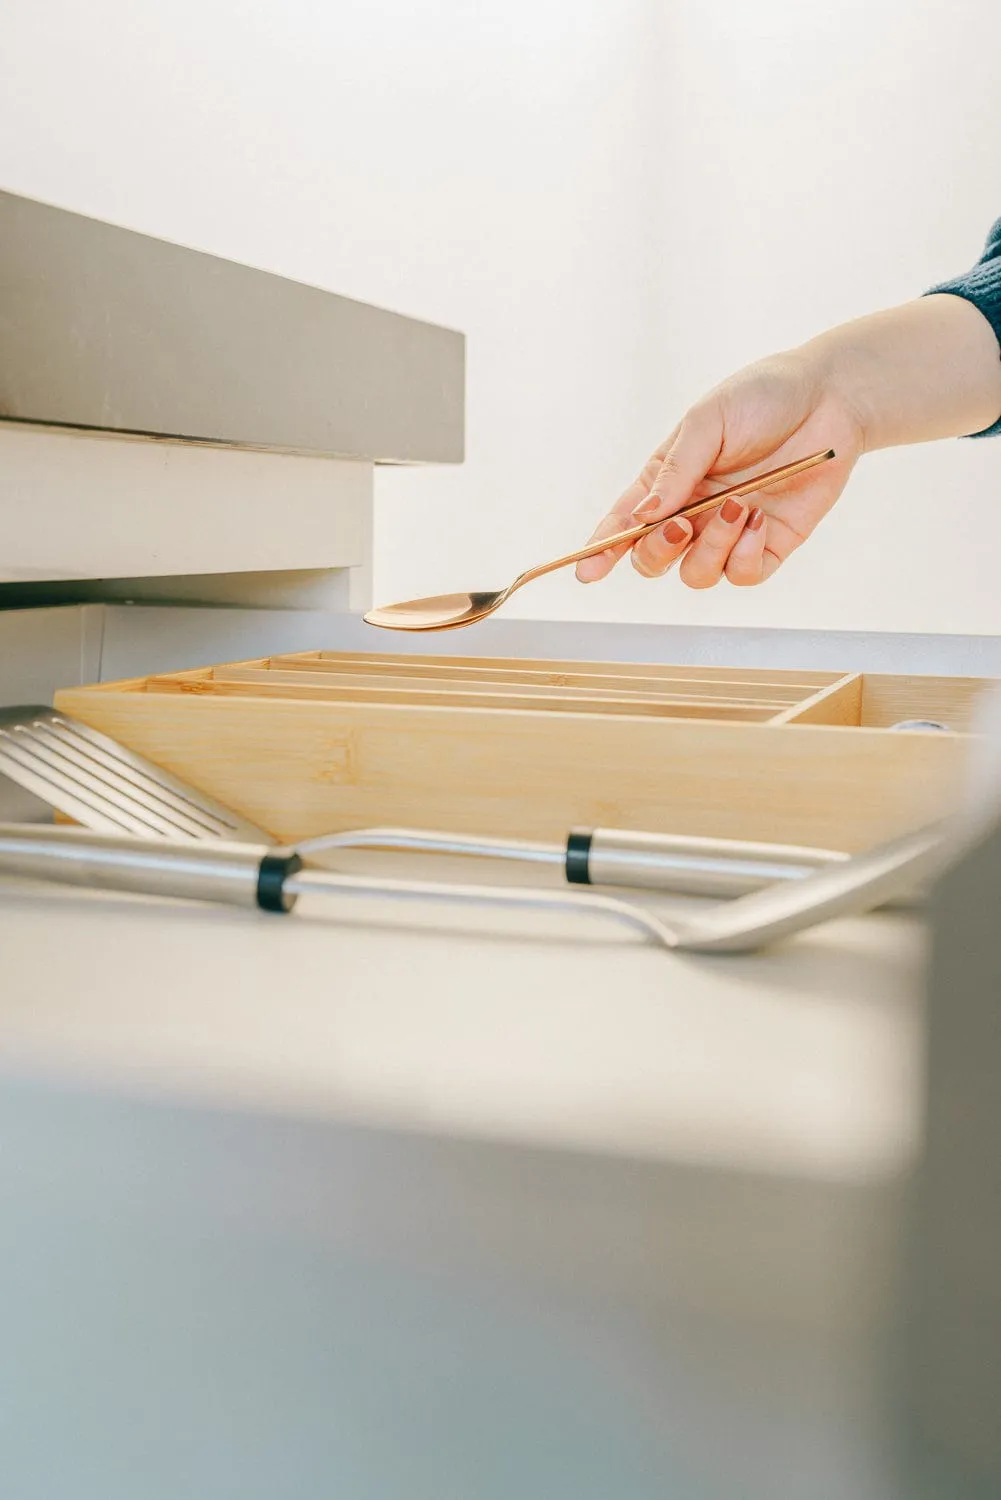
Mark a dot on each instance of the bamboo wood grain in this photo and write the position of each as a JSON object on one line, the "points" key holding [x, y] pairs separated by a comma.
{"points": [[265, 687], [596, 688], [621, 689], [840, 703], [808, 679], [947, 700], [731, 686], [306, 767]]}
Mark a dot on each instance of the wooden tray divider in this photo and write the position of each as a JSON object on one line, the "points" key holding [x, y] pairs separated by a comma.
{"points": [[618, 689], [734, 686], [350, 661], [264, 686], [838, 703]]}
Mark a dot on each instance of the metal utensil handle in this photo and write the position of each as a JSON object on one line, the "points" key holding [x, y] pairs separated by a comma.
{"points": [[674, 863], [689, 866], [429, 841], [233, 873], [622, 538], [242, 875], [325, 883], [860, 884]]}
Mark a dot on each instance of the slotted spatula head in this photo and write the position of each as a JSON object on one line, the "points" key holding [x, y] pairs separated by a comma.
{"points": [[98, 783]]}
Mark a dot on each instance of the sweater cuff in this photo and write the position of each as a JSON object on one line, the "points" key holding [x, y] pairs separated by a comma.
{"points": [[982, 287]]}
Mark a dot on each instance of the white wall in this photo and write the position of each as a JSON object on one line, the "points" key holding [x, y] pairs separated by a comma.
{"points": [[483, 165], [618, 201], [822, 160]]}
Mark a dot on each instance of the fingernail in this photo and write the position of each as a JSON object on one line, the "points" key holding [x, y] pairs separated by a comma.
{"points": [[648, 507], [757, 519], [731, 511], [675, 533]]}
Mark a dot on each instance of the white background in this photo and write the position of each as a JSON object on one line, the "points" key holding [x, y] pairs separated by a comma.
{"points": [[618, 201]]}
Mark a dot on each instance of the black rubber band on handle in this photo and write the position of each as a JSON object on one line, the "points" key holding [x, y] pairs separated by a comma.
{"points": [[274, 870], [578, 857]]}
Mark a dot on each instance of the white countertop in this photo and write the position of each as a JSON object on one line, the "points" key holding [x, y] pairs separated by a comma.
{"points": [[702, 1245], [517, 1027]]}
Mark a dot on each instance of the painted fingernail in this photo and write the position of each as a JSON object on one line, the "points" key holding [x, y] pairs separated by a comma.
{"points": [[757, 519], [648, 507], [675, 533], [731, 511]]}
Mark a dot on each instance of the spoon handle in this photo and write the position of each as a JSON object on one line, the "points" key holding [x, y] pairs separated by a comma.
{"points": [[745, 487]]}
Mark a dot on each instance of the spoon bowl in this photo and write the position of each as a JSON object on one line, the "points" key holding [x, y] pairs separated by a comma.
{"points": [[438, 612], [452, 611]]}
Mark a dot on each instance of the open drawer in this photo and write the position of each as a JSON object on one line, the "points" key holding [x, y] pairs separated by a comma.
{"points": [[313, 742]]}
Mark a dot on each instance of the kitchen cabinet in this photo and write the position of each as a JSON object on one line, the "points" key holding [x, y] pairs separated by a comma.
{"points": [[165, 414]]}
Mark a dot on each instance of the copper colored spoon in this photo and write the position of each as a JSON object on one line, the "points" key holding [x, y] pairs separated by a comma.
{"points": [[451, 611]]}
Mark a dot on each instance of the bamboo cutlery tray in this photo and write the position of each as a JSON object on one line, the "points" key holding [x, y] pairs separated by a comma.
{"points": [[318, 741]]}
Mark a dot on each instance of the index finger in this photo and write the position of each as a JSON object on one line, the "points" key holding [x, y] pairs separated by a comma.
{"points": [[620, 517]]}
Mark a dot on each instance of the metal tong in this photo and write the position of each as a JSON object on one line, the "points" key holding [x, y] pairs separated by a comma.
{"points": [[272, 879]]}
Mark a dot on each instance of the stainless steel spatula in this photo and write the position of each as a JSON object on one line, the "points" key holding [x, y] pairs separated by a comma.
{"points": [[97, 782]]}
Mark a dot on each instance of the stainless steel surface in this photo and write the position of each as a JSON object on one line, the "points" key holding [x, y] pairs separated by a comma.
{"points": [[228, 873], [453, 611], [104, 328], [954, 1356], [858, 884], [618, 857], [698, 867], [426, 841], [89, 777], [911, 725], [589, 906], [192, 871], [862, 883]]}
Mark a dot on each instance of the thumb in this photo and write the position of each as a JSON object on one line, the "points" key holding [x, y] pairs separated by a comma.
{"points": [[695, 449]]}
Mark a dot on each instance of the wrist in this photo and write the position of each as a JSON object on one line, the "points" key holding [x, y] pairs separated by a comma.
{"points": [[929, 369], [838, 367]]}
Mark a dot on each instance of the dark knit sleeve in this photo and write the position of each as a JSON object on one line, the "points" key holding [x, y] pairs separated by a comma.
{"points": [[982, 287]]}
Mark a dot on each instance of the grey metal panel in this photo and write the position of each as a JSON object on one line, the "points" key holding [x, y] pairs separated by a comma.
{"points": [[164, 636], [101, 327], [701, 645], [152, 638], [45, 649], [955, 1354]]}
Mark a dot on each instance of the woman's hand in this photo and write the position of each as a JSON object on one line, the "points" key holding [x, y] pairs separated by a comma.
{"points": [[928, 369], [769, 414]]}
